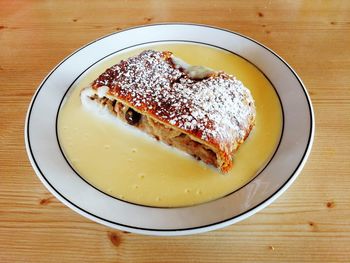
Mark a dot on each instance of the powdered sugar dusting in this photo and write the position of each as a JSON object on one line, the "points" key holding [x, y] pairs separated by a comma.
{"points": [[218, 109]]}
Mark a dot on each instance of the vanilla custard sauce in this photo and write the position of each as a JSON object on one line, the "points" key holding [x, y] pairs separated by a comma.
{"points": [[123, 162]]}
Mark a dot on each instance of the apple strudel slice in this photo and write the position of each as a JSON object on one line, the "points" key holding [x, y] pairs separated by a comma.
{"points": [[205, 113]]}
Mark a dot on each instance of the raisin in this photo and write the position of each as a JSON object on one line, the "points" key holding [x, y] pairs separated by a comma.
{"points": [[132, 117]]}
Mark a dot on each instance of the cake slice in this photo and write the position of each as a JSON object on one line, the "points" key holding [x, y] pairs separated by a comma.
{"points": [[205, 113]]}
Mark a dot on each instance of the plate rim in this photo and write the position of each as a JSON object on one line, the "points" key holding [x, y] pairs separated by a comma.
{"points": [[178, 231]]}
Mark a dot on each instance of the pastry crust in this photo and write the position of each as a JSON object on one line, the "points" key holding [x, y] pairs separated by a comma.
{"points": [[207, 114]]}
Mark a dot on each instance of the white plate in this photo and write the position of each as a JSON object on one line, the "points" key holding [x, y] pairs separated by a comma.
{"points": [[55, 173]]}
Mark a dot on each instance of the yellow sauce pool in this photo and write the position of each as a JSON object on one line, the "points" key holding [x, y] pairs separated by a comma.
{"points": [[124, 163]]}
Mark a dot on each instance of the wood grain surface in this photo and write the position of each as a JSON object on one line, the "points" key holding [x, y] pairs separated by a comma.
{"points": [[308, 223]]}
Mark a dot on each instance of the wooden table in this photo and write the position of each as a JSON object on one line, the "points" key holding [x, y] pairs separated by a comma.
{"points": [[309, 223]]}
